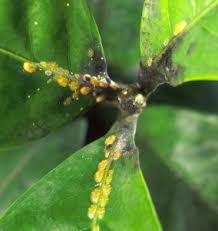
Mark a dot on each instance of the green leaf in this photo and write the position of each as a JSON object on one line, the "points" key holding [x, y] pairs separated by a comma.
{"points": [[118, 23], [182, 145], [34, 31], [22, 166], [179, 38], [62, 198], [179, 206]]}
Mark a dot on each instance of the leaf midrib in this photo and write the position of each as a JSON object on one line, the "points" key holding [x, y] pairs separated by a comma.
{"points": [[16, 171], [13, 55]]}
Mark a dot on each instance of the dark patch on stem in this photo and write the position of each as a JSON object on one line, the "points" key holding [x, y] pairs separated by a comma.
{"points": [[125, 129], [160, 72], [149, 78]]}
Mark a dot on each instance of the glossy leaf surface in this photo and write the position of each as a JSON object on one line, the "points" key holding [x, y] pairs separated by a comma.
{"points": [[22, 166], [63, 32], [186, 141], [118, 22], [179, 38], [62, 198]]}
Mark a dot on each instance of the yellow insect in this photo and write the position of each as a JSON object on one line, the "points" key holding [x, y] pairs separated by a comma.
{"points": [[103, 200], [113, 85], [85, 90], [99, 175], [62, 81], [107, 189], [48, 65], [103, 164], [116, 155], [91, 53], [92, 211], [109, 177], [94, 81], [110, 140], [101, 212], [103, 83], [125, 91], [29, 67], [100, 98], [95, 195], [74, 85], [149, 61], [77, 76], [180, 27], [103, 178]]}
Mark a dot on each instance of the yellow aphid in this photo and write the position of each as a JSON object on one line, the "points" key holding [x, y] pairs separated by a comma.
{"points": [[77, 76], [109, 177], [140, 100], [29, 67], [110, 173], [180, 27], [92, 211], [100, 98], [113, 85], [110, 140], [50, 66], [90, 53], [101, 212], [96, 228], [85, 90], [44, 64], [94, 81], [103, 164], [103, 200], [125, 91], [149, 61], [62, 81], [53, 66], [106, 189], [60, 70], [74, 85], [67, 101], [103, 83], [99, 176], [116, 155], [95, 195]]}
